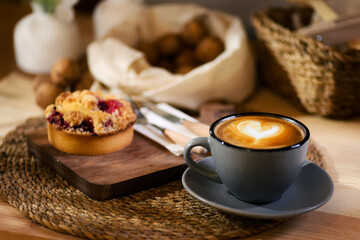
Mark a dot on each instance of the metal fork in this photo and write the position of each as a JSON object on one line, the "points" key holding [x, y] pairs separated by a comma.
{"points": [[174, 136], [141, 119]]}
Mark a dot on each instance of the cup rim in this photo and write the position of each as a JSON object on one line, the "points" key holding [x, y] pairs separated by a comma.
{"points": [[290, 119]]}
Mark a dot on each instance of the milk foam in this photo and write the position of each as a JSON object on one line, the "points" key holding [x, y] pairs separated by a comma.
{"points": [[261, 132], [258, 130]]}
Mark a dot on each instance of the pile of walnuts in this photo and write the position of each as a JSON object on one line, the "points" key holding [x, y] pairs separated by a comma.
{"points": [[181, 52], [65, 74]]}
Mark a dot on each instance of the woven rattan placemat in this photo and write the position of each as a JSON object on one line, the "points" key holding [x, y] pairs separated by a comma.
{"points": [[165, 212]]}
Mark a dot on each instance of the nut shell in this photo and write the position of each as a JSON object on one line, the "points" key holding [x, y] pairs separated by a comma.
{"points": [[85, 81], [193, 32], [185, 57], [169, 45], [208, 49], [149, 50], [38, 80], [167, 64], [65, 72], [184, 69], [46, 94]]}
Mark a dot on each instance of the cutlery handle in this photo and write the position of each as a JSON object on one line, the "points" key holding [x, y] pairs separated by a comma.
{"points": [[181, 139], [200, 129]]}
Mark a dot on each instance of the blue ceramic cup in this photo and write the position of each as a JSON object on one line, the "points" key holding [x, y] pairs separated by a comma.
{"points": [[256, 175]]}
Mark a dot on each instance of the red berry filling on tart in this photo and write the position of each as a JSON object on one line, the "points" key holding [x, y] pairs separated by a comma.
{"points": [[108, 123], [57, 119], [86, 112], [86, 126], [109, 106]]}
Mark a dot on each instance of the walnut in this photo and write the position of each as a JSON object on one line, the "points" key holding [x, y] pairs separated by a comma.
{"points": [[169, 44], [166, 64], [74, 118], [208, 49], [185, 57], [85, 82], [46, 94], [65, 72], [83, 63], [149, 50], [183, 69], [194, 31], [40, 79]]}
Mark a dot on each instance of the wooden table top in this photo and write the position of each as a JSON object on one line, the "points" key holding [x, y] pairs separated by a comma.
{"points": [[340, 140]]}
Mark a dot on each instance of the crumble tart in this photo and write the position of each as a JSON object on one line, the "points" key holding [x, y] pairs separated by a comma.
{"points": [[89, 123]]}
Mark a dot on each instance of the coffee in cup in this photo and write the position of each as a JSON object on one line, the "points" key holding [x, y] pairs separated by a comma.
{"points": [[259, 132], [257, 156]]}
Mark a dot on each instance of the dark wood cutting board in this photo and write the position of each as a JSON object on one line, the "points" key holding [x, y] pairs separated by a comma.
{"points": [[142, 165]]}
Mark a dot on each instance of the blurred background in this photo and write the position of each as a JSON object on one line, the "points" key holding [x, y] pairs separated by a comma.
{"points": [[241, 8], [12, 10]]}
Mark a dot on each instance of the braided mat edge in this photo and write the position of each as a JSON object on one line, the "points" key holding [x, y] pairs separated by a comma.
{"points": [[165, 212]]}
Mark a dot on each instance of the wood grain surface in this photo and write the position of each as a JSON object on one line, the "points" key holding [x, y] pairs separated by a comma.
{"points": [[142, 165]]}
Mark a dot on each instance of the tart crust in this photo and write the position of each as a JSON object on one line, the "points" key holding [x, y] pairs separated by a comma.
{"points": [[80, 144], [89, 123]]}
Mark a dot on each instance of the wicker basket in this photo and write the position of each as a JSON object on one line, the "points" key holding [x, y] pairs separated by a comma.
{"points": [[324, 80]]}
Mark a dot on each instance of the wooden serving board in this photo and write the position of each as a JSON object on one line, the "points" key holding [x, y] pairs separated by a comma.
{"points": [[142, 165]]}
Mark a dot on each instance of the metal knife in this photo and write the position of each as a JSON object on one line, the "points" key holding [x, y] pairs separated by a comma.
{"points": [[174, 136], [200, 129]]}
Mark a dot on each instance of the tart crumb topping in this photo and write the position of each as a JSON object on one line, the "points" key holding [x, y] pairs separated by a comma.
{"points": [[88, 112]]}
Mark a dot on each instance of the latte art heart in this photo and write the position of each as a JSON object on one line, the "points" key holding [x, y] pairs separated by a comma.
{"points": [[258, 130]]}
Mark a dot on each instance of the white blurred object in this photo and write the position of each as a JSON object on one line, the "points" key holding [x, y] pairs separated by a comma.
{"points": [[41, 38], [230, 76], [109, 13]]}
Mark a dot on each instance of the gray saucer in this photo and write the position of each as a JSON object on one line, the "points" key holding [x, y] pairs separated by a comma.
{"points": [[312, 189]]}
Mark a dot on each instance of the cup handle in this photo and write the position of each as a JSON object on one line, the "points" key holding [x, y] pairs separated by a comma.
{"points": [[204, 142], [306, 162]]}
